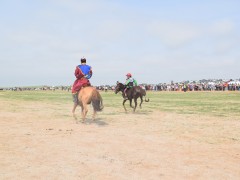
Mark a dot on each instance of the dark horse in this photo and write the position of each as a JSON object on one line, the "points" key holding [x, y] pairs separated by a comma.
{"points": [[132, 94]]}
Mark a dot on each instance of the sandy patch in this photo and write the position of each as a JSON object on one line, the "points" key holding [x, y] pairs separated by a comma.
{"points": [[42, 141]]}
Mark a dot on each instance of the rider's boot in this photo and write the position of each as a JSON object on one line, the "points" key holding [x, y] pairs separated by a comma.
{"points": [[75, 98], [125, 97]]}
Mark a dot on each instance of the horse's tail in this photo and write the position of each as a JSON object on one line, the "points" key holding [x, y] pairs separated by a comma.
{"points": [[97, 102], [146, 100], [144, 94]]}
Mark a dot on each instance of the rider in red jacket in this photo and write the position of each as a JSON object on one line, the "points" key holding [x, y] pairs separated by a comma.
{"points": [[83, 73]]}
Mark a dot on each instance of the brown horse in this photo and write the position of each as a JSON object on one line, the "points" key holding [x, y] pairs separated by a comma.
{"points": [[88, 95], [132, 94]]}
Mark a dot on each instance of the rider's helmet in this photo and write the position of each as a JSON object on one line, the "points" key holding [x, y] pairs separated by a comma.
{"points": [[129, 75], [83, 60]]}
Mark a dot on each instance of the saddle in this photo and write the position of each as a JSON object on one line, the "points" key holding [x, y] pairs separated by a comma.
{"points": [[86, 85]]}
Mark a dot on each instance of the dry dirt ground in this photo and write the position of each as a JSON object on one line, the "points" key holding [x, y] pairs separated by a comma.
{"points": [[42, 141]]}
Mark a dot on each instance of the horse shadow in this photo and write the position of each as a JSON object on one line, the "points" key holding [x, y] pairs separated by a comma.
{"points": [[137, 112], [98, 122]]}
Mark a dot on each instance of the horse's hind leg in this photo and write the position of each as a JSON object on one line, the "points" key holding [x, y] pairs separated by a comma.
{"points": [[140, 105], [131, 103], [135, 101], [94, 115], [84, 112]]}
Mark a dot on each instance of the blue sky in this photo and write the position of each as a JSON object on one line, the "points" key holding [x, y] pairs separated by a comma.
{"points": [[42, 41]]}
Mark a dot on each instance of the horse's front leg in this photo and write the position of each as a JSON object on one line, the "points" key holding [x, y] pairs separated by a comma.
{"points": [[74, 108], [75, 104], [124, 104], [140, 105], [74, 115], [84, 112]]}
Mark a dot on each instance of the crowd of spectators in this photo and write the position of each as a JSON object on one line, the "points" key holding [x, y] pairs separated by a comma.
{"points": [[42, 88], [201, 85]]}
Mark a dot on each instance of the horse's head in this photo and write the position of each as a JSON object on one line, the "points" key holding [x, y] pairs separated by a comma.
{"points": [[119, 87]]}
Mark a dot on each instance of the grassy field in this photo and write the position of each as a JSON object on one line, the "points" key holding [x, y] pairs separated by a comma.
{"points": [[226, 104], [177, 135]]}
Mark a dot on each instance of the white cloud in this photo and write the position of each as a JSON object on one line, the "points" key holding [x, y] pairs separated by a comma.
{"points": [[222, 27]]}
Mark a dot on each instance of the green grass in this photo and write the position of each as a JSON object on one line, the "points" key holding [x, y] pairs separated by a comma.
{"points": [[225, 104], [209, 103], [45, 96]]}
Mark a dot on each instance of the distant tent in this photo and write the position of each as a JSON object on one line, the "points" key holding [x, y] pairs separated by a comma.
{"points": [[211, 83], [234, 82]]}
